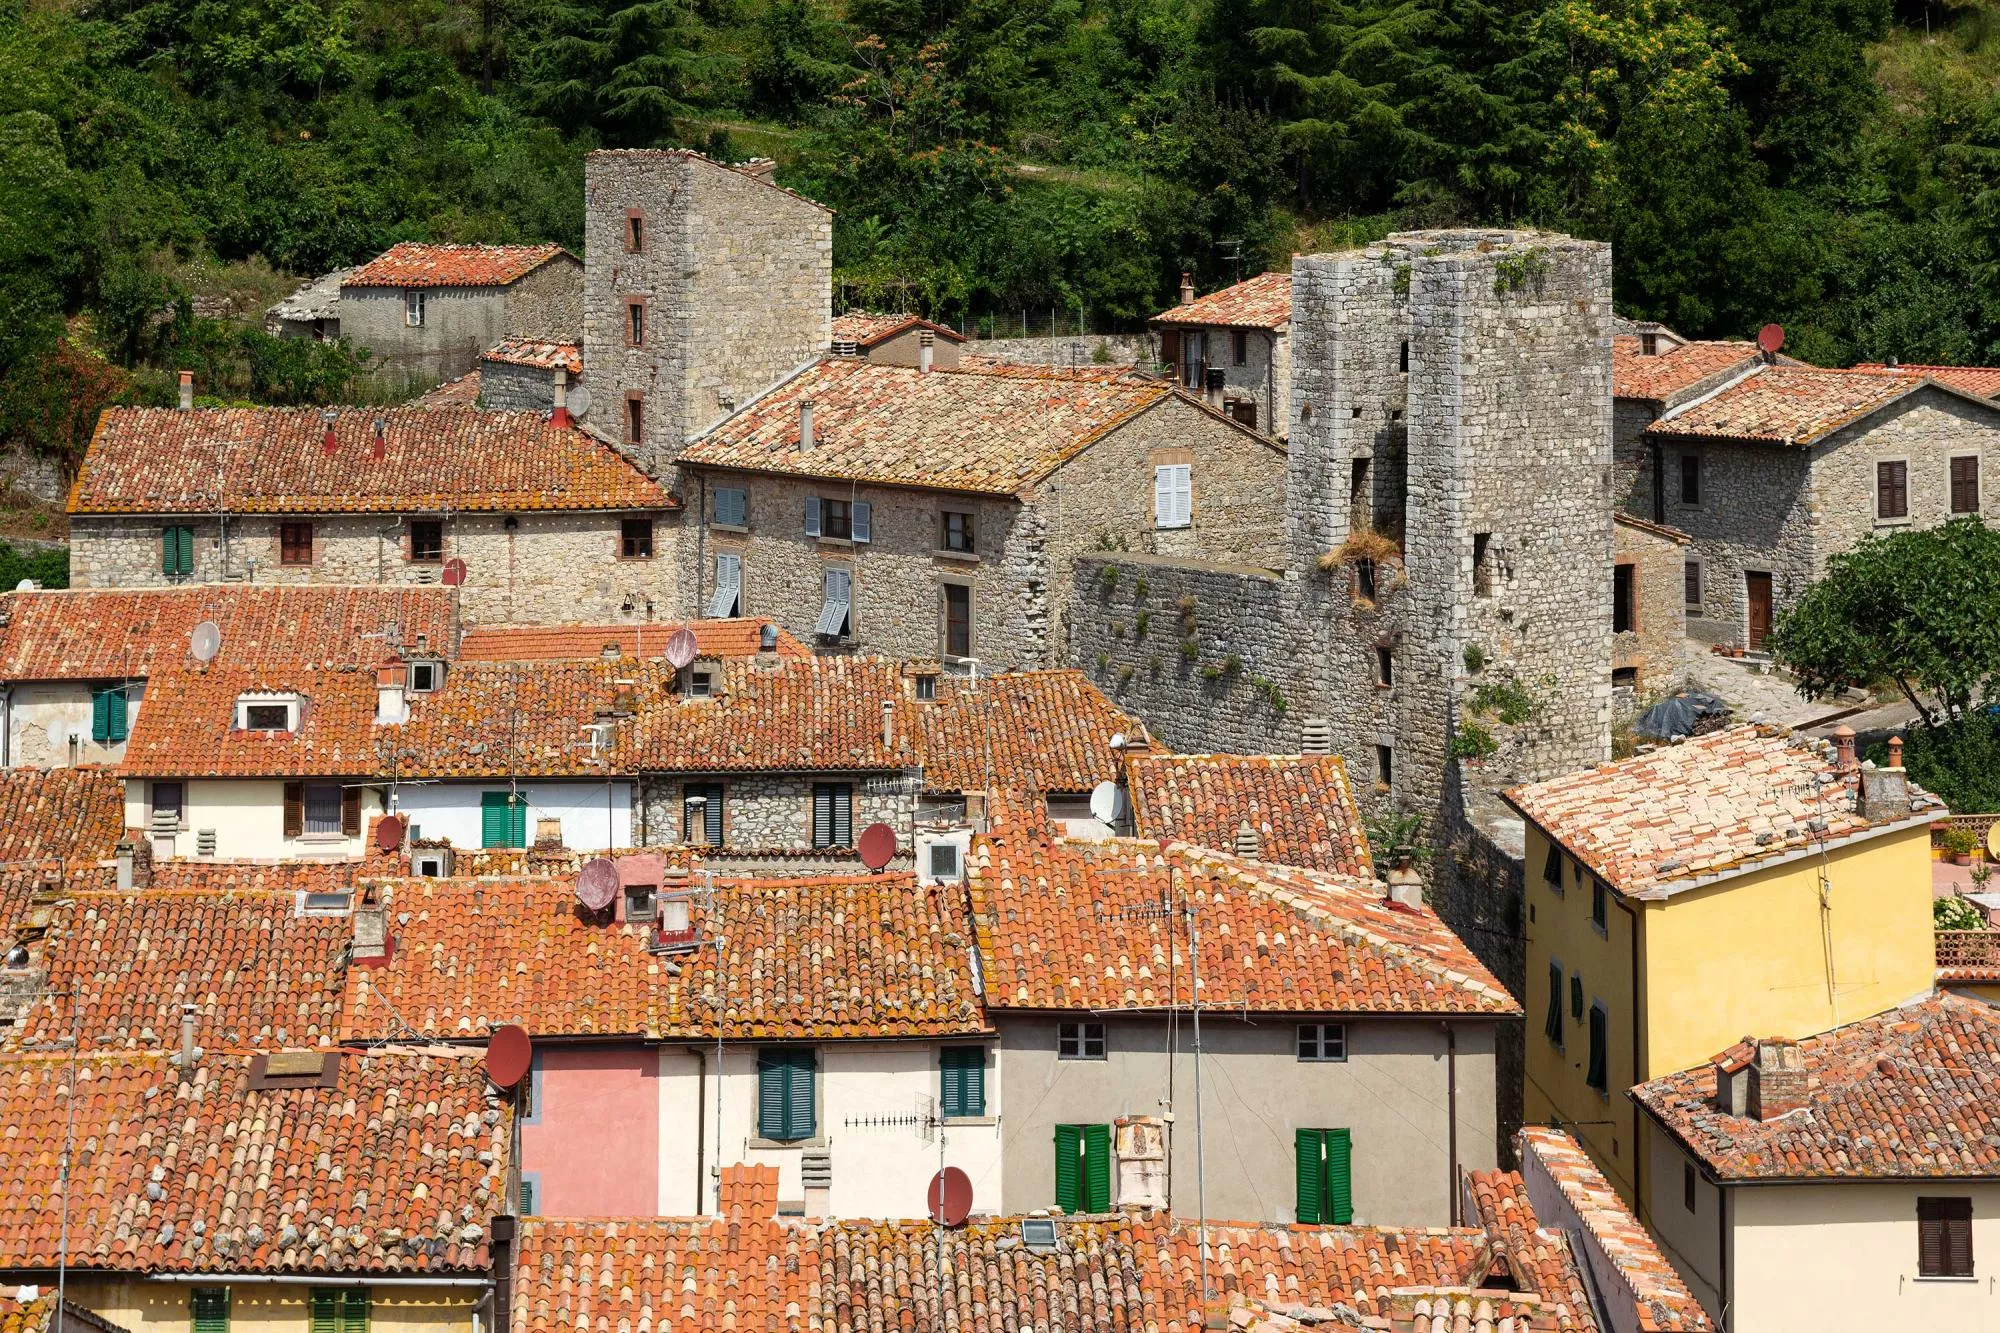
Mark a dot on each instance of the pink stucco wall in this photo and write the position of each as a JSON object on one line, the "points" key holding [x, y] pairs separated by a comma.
{"points": [[593, 1143]]}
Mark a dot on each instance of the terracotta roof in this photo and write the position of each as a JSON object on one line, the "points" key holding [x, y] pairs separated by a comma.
{"points": [[157, 460], [1677, 368], [1637, 524], [460, 392], [1790, 404], [548, 643], [111, 633], [59, 814], [822, 958], [1262, 302], [397, 1168], [1301, 807], [865, 330], [421, 264], [977, 431], [1024, 732], [1709, 806], [37, 1315], [187, 726], [536, 352], [1072, 925], [1651, 1282], [1908, 1094], [1979, 381]]}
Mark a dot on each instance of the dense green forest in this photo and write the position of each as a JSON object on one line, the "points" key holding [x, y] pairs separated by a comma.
{"points": [[170, 166]]}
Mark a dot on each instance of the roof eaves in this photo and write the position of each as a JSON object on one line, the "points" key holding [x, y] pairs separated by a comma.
{"points": [[1157, 394], [751, 402]]}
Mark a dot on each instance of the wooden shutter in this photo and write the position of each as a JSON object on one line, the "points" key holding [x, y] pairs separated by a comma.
{"points": [[1944, 1237], [1892, 490], [354, 1310], [117, 708], [493, 819], [295, 809], [962, 1073], [770, 1095], [822, 814], [1339, 1177], [800, 1120], [1552, 1026], [1069, 1168], [711, 816], [1097, 1168], [517, 821], [1170, 346], [1309, 1161], [1965, 485], [812, 516], [858, 521], [350, 811], [843, 815], [100, 713], [325, 1310], [208, 1309]]}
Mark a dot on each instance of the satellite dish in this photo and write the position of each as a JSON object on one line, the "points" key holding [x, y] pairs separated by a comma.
{"points": [[597, 885], [389, 833], [1771, 337], [877, 846], [1108, 804], [206, 641], [681, 647], [509, 1053], [1117, 740], [25, 585], [454, 572], [949, 1200], [578, 402]]}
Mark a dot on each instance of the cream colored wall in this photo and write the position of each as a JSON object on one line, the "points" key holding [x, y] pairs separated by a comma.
{"points": [[248, 816], [877, 1171], [31, 708], [162, 1307], [1690, 1240]]}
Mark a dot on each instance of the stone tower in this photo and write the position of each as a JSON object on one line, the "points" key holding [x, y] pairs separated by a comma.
{"points": [[703, 285]]}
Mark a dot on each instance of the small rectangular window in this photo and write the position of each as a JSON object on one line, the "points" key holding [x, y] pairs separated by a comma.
{"points": [[732, 506], [701, 814], [944, 860], [727, 599], [1173, 495], [836, 519], [1482, 564], [1385, 665], [957, 620], [1892, 489], [177, 551], [1322, 1042], [635, 538], [1403, 358], [1325, 1176], [1552, 1024], [1079, 1041], [413, 308], [1083, 1168], [833, 814], [1690, 479], [323, 800], [1624, 617], [503, 819], [635, 231], [1595, 1075], [635, 322], [962, 1081], [208, 1310], [635, 418], [1239, 347], [295, 543], [425, 676], [785, 1093], [169, 805], [1691, 583], [1965, 485], [1687, 1185], [955, 531], [1385, 766], [1576, 996], [1244, 412], [1552, 870], [1364, 579], [701, 684], [640, 901], [1944, 1237], [1598, 895], [427, 540], [267, 717]]}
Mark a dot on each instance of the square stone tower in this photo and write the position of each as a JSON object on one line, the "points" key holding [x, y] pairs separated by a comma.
{"points": [[703, 285]]}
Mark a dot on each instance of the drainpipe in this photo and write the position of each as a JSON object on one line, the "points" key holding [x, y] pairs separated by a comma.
{"points": [[501, 1235], [700, 1122], [6, 726], [1639, 1071], [1659, 483], [701, 543], [1271, 385], [1451, 1113]]}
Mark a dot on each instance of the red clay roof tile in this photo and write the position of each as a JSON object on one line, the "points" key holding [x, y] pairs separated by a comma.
{"points": [[1301, 807], [1262, 302], [865, 330], [1788, 404], [1979, 381], [538, 353], [426, 264], [548, 643], [59, 814], [1676, 368]]}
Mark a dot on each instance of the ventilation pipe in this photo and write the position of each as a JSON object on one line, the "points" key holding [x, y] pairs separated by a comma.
{"points": [[187, 1043], [561, 416], [805, 425], [926, 341], [187, 390], [127, 854], [888, 724], [380, 449], [1187, 289]]}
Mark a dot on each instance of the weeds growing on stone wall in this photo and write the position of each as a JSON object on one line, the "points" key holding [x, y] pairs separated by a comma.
{"points": [[1103, 661], [1110, 577], [1513, 273], [1117, 629], [1475, 659], [1472, 741], [1190, 649], [1400, 283], [1139, 587], [1125, 674], [1509, 701], [1393, 835], [1271, 694], [1142, 623]]}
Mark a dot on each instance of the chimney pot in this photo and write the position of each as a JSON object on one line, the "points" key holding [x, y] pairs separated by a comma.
{"points": [[380, 447], [1248, 844], [1187, 289], [805, 425], [560, 416], [888, 724], [392, 707], [1895, 752], [187, 1043], [767, 638], [187, 390], [1777, 1078], [1843, 749], [1140, 1144], [127, 854]]}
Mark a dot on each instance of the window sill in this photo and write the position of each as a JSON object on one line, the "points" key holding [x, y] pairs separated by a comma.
{"points": [[1940, 1277], [635, 559], [779, 1145], [964, 557], [1171, 527], [970, 1121], [1603, 933], [730, 527], [1890, 523], [835, 541], [321, 839]]}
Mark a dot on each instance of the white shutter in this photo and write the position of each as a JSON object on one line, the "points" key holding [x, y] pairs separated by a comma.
{"points": [[833, 610], [1173, 495], [728, 586], [1183, 476], [1162, 498], [812, 516]]}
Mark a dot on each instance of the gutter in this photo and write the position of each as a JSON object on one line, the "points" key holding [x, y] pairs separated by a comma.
{"points": [[358, 1278]]}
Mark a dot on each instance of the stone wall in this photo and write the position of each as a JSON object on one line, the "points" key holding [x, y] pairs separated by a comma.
{"points": [[1754, 514], [1082, 349], [1651, 649], [548, 303], [1264, 380], [548, 567], [459, 324], [507, 387], [772, 812], [1925, 430]]}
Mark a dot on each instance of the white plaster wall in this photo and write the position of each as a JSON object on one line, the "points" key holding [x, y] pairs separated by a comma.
{"points": [[452, 810], [31, 708], [877, 1172], [248, 816]]}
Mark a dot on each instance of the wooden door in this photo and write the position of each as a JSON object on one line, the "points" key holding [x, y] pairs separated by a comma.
{"points": [[1759, 587]]}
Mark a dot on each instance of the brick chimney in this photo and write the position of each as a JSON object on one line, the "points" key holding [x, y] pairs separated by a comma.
{"points": [[187, 390], [1187, 289], [392, 707], [1843, 749], [1777, 1078]]}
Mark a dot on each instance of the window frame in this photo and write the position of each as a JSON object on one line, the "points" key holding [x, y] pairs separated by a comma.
{"points": [[837, 819], [340, 1317], [212, 1321], [1597, 1070], [1600, 906], [514, 832], [635, 321], [1385, 767], [110, 713], [153, 806], [1081, 1039], [635, 231], [1385, 666], [1688, 491], [1091, 1157], [414, 553], [1694, 579], [1173, 496], [1314, 1041], [635, 416], [948, 646], [715, 813], [289, 544], [1944, 1214], [719, 609], [1952, 481], [177, 550], [635, 538], [965, 1059], [1330, 1154], [836, 519], [328, 796], [1239, 347], [246, 702], [740, 507], [1625, 598], [964, 540], [767, 1058], [414, 301], [1885, 489]]}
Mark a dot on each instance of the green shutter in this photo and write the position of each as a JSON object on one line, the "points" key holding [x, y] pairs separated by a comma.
{"points": [[517, 822], [208, 1309], [785, 1093], [325, 1310], [354, 1310], [100, 714], [1069, 1174], [770, 1095], [177, 550], [116, 709], [492, 827], [800, 1119], [1309, 1152], [1097, 1168], [962, 1080], [1339, 1177]]}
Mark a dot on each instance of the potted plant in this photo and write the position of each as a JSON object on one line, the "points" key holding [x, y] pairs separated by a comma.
{"points": [[1958, 844]]}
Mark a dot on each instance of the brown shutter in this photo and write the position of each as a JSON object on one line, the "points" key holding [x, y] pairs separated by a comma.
{"points": [[350, 811], [295, 809], [1944, 1237], [1170, 346]]}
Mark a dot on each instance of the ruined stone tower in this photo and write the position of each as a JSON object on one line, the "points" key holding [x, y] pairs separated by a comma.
{"points": [[703, 284]]}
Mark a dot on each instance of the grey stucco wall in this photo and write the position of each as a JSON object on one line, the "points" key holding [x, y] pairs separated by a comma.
{"points": [[459, 324]]}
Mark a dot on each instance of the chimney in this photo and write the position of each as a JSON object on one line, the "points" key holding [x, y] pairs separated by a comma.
{"points": [[1141, 1144], [392, 707], [371, 927], [380, 448], [328, 444], [500, 1234], [1895, 752], [1843, 749], [1885, 793], [561, 416], [1315, 736], [805, 425], [926, 341], [126, 853], [1248, 844], [187, 390], [1187, 289], [888, 724], [767, 637], [548, 833], [187, 1043], [1213, 378], [1777, 1078], [609, 651], [1403, 886]]}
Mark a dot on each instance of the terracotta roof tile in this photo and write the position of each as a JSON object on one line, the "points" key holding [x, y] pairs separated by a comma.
{"points": [[59, 814], [1677, 367], [1709, 806], [422, 264], [1788, 404], [1301, 807], [536, 352], [820, 958], [865, 330], [1074, 925], [398, 1168], [548, 643], [154, 460], [983, 431], [460, 392], [1979, 381], [1262, 302], [37, 1315], [187, 726], [1025, 732], [1913, 1093], [98, 634]]}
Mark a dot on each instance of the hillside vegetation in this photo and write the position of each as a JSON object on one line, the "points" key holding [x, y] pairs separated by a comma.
{"points": [[1830, 164]]}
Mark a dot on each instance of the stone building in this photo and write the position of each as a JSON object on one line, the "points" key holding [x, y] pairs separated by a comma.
{"points": [[1787, 465], [1234, 348], [1651, 582], [546, 521], [704, 285], [519, 375], [313, 311], [896, 340], [936, 513], [1654, 371], [425, 312]]}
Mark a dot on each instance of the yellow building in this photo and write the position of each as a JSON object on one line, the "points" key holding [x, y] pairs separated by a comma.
{"points": [[1750, 881]]}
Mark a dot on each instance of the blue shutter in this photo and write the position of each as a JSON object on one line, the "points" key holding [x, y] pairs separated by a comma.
{"points": [[770, 1095], [860, 521], [812, 516]]}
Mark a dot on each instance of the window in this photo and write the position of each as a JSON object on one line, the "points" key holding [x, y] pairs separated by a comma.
{"points": [[927, 688], [732, 506], [701, 684], [527, 1198], [635, 538], [1322, 1042], [1595, 1075], [1598, 894], [1173, 495], [1691, 583], [1552, 1024], [323, 801], [1965, 485], [169, 805], [727, 599], [635, 322], [1244, 412], [833, 814], [957, 620], [635, 418], [1892, 490], [1385, 665], [1690, 479], [1482, 567], [1239, 347], [426, 676], [701, 813], [413, 308], [1687, 1186], [635, 231], [955, 531], [1944, 1237], [1083, 1168], [962, 1081], [785, 1111], [1385, 766], [836, 519], [1079, 1041], [1623, 617], [639, 901], [177, 551], [1364, 579], [944, 860], [295, 543], [208, 1309], [1403, 358], [1326, 1176], [339, 1310], [1576, 996], [267, 717], [322, 809], [427, 539], [108, 714], [836, 617], [1552, 870], [503, 819]]}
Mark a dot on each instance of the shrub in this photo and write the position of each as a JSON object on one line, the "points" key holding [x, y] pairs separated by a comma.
{"points": [[1472, 741], [1955, 913]]}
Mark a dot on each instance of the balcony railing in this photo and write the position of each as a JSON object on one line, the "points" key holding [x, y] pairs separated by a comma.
{"points": [[1969, 950]]}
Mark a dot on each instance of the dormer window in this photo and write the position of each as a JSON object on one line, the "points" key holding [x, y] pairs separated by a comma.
{"points": [[426, 675], [926, 687], [267, 712], [701, 684]]}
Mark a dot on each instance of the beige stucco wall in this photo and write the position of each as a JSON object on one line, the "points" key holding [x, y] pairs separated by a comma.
{"points": [[140, 1306], [248, 816], [906, 349], [1692, 1241], [32, 708]]}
